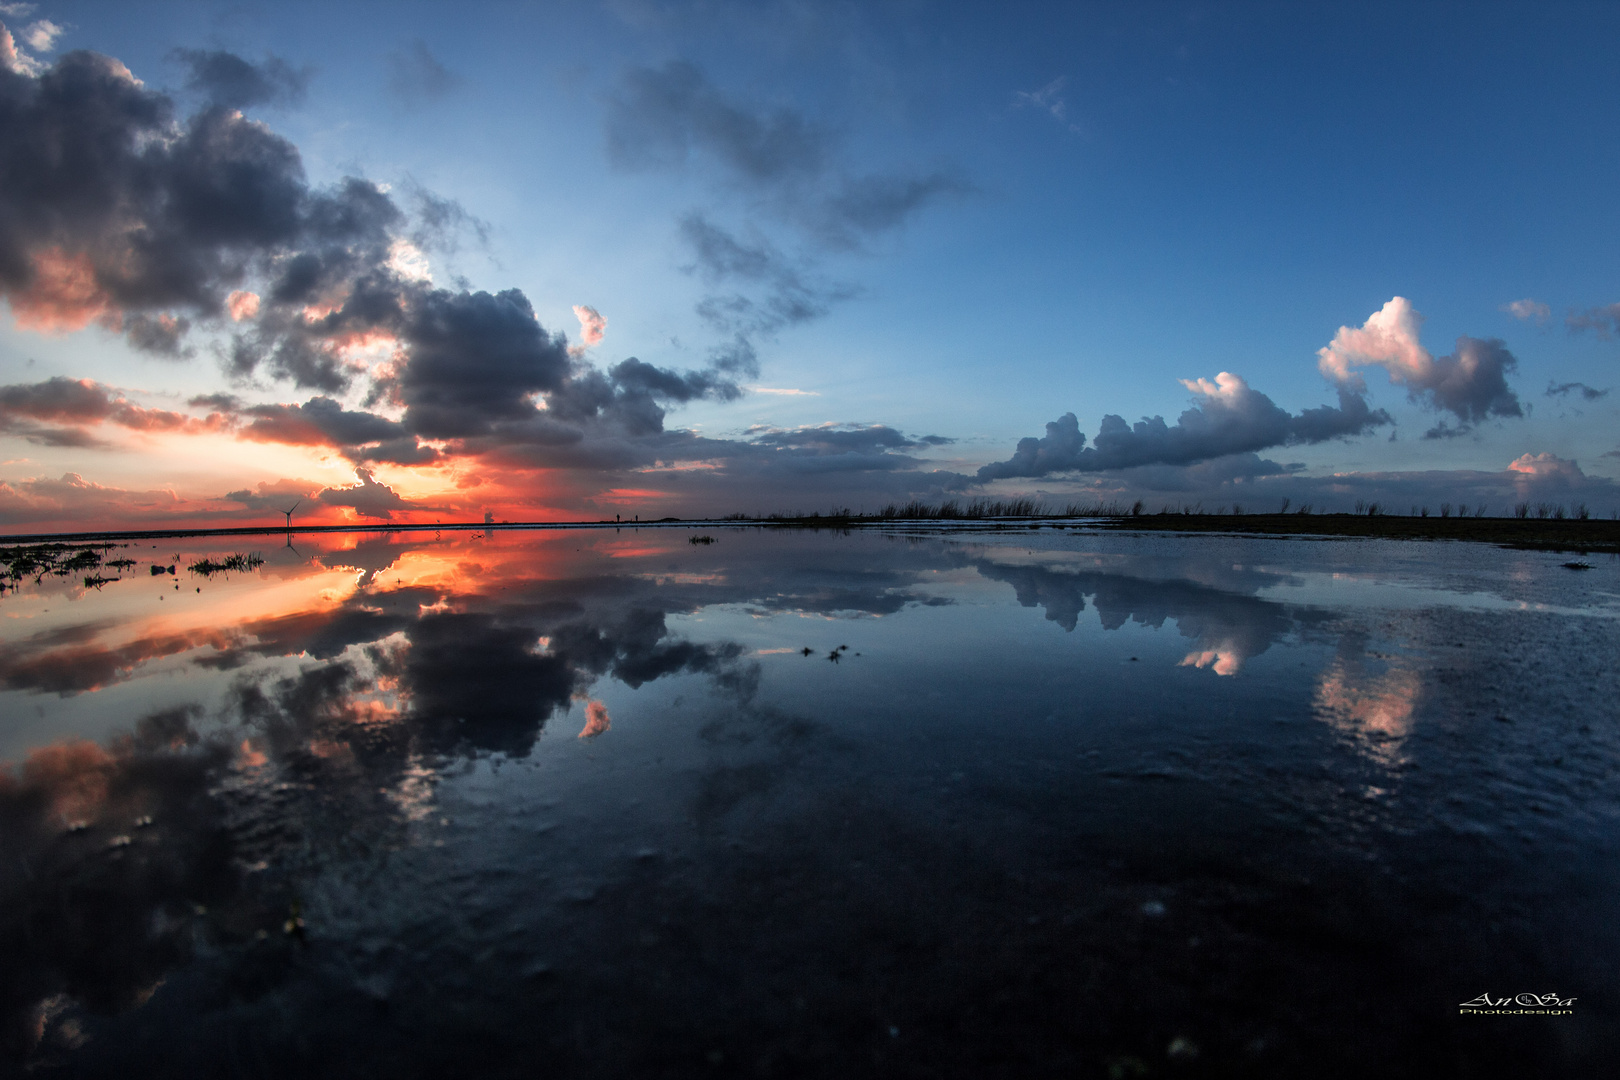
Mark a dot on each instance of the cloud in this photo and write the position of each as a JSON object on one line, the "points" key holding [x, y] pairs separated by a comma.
{"points": [[865, 205], [13, 59], [663, 118], [117, 212], [41, 35], [76, 404], [242, 304], [672, 117], [1587, 393], [275, 495], [227, 81], [1048, 99], [719, 256], [440, 222], [1215, 484], [476, 359], [596, 720], [1528, 310], [1547, 471], [368, 498], [1471, 383], [124, 214], [417, 78], [1228, 417], [161, 335], [71, 500], [658, 117], [592, 326], [320, 421], [1605, 320], [834, 438]]}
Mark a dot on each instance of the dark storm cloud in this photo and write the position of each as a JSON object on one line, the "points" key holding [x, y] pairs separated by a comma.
{"points": [[231, 82], [319, 421], [476, 359], [1229, 417], [416, 77], [113, 210], [369, 498], [1587, 393]]}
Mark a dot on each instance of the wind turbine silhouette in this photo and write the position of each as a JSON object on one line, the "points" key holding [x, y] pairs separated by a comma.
{"points": [[288, 512]]}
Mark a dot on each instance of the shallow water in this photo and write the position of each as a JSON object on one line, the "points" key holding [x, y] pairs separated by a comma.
{"points": [[607, 802]]}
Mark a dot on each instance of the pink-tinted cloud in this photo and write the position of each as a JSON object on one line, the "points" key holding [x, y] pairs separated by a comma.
{"points": [[1224, 660], [596, 720], [72, 500], [63, 296], [73, 405], [1546, 474], [592, 326], [13, 60], [1528, 310], [1471, 383], [242, 305]]}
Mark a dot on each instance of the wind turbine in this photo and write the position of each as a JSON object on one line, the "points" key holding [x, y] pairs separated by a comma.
{"points": [[289, 511]]}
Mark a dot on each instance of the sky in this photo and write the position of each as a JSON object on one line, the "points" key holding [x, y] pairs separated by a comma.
{"points": [[577, 260]]}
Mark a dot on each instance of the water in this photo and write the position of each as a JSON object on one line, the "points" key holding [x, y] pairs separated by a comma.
{"points": [[610, 803]]}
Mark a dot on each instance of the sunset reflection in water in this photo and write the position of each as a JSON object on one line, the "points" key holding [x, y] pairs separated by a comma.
{"points": [[334, 780]]}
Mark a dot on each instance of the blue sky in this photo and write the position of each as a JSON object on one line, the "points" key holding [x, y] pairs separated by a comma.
{"points": [[970, 219]]}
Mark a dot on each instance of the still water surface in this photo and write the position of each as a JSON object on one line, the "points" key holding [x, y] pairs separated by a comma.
{"points": [[611, 803]]}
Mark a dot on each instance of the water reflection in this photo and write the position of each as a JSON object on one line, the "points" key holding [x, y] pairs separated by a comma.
{"points": [[286, 741], [1228, 625], [107, 853], [1372, 700]]}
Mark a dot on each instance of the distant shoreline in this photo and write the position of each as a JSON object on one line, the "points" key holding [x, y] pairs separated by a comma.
{"points": [[1548, 534]]}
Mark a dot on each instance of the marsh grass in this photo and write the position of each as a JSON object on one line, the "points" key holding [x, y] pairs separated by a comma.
{"points": [[39, 561], [239, 563]]}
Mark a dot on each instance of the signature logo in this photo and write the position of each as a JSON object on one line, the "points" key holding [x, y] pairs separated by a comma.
{"points": [[1518, 1003]]}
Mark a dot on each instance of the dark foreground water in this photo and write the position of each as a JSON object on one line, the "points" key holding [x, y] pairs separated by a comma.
{"points": [[1023, 804]]}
